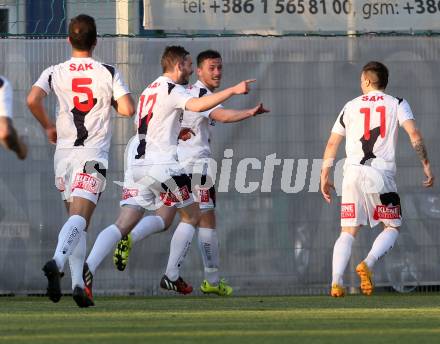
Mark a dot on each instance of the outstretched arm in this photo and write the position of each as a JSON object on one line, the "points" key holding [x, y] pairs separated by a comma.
{"points": [[231, 116], [329, 157], [416, 139], [35, 105], [208, 102]]}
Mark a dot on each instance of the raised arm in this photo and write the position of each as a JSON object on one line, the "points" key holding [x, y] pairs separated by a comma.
{"points": [[35, 104], [329, 157], [231, 116], [415, 136], [208, 102]]}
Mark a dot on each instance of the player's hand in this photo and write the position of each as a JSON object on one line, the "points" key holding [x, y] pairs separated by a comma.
{"points": [[186, 133], [243, 87], [429, 181], [258, 110], [51, 133], [326, 188]]}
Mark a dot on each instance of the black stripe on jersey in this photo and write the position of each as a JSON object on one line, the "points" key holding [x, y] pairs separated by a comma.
{"points": [[79, 119], [111, 69], [368, 145], [341, 119], [142, 132], [1, 82], [50, 81], [202, 92], [170, 87], [400, 100]]}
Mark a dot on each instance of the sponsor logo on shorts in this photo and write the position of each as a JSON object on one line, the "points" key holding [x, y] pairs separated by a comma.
{"points": [[129, 193], [87, 182], [348, 211], [168, 198], [204, 195], [384, 212]]}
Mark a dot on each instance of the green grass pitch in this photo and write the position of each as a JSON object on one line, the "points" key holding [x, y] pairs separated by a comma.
{"points": [[382, 318]]}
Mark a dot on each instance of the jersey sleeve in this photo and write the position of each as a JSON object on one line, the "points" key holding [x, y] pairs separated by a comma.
{"points": [[119, 87], [404, 112], [5, 98], [339, 126], [45, 80], [180, 97], [207, 113]]}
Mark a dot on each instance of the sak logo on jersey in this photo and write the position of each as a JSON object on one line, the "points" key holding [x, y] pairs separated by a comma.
{"points": [[383, 212], [86, 182], [80, 68], [368, 98], [348, 211]]}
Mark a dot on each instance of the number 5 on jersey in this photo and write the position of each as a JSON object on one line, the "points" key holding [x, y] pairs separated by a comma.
{"points": [[367, 111], [79, 85]]}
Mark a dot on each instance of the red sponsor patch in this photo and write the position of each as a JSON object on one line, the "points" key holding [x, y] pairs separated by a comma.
{"points": [[169, 198], [204, 195], [383, 212], [87, 182], [348, 211], [129, 193]]}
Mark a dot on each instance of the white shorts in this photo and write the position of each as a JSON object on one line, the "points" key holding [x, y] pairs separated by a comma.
{"points": [[201, 173], [369, 196], [152, 186], [81, 173]]}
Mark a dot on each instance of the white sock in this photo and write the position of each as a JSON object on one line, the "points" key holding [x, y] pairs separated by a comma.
{"points": [[341, 256], [179, 247], [76, 261], [383, 243], [105, 242], [209, 249], [68, 238], [147, 226]]}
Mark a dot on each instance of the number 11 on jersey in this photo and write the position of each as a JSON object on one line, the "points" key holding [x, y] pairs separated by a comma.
{"points": [[367, 111]]}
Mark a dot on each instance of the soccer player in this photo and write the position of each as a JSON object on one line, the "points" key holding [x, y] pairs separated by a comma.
{"points": [[369, 124], [8, 135], [154, 170], [194, 154], [86, 89]]}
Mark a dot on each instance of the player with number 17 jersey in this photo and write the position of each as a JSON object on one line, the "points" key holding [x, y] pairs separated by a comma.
{"points": [[161, 107]]}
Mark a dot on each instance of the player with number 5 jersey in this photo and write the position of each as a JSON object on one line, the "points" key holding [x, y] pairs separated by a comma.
{"points": [[369, 124], [86, 90]]}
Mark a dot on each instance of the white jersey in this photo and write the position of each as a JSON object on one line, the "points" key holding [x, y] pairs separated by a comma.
{"points": [[85, 89], [199, 145], [160, 113], [5, 98], [370, 124]]}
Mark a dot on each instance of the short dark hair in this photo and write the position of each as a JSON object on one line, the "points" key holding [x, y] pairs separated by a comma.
{"points": [[380, 71], [207, 54], [82, 32], [173, 54]]}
